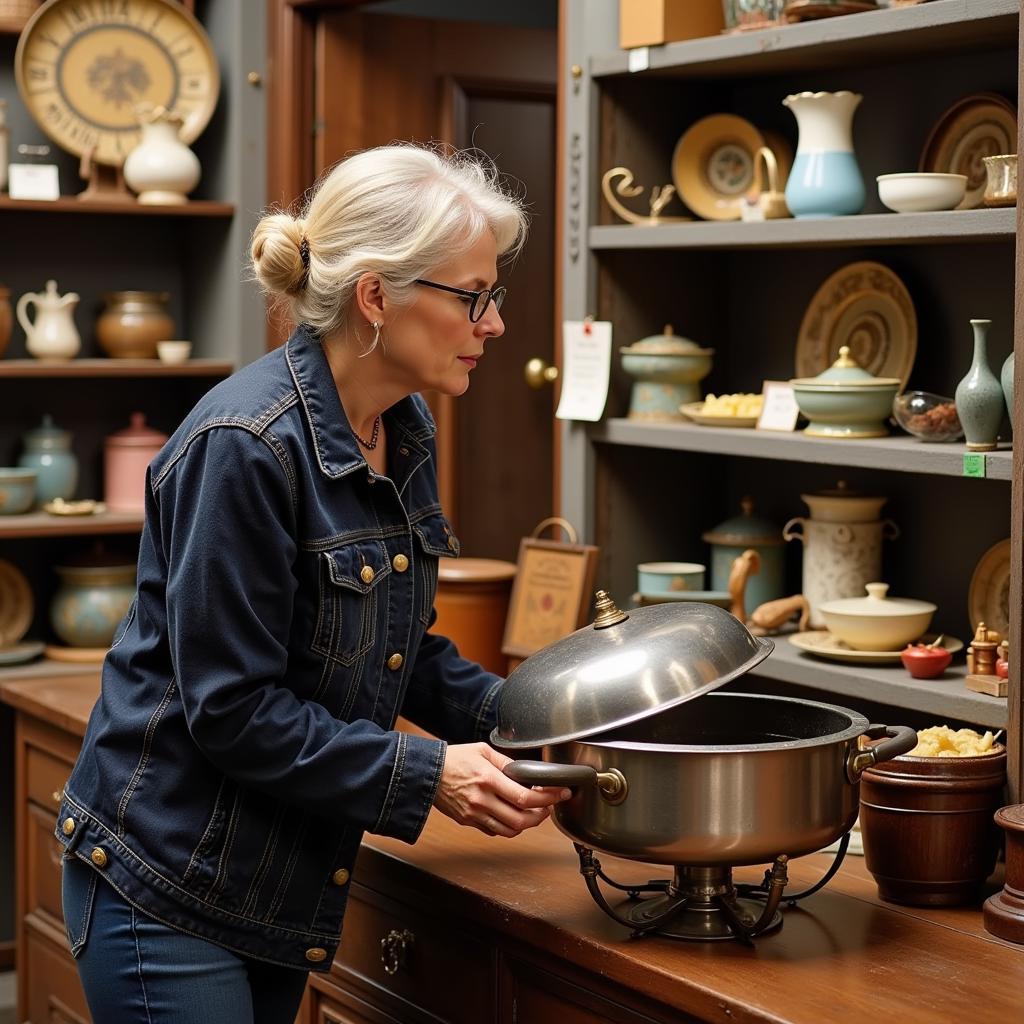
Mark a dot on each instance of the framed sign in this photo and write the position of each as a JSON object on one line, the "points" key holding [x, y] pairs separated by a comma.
{"points": [[550, 596]]}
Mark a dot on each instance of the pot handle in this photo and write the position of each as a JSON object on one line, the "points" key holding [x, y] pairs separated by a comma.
{"points": [[900, 739], [612, 783], [890, 531], [794, 529]]}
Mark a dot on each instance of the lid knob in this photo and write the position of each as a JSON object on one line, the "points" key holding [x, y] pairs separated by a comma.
{"points": [[608, 613]]}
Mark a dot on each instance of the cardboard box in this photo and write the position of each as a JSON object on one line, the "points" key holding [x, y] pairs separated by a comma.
{"points": [[652, 22]]}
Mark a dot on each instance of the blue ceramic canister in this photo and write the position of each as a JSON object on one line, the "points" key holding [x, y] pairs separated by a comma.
{"points": [[48, 452], [90, 602], [667, 370], [730, 539]]}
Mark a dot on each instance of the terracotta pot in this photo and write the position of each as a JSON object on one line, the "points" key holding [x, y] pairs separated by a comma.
{"points": [[472, 604], [1003, 913], [127, 454], [132, 323], [6, 319], [929, 838]]}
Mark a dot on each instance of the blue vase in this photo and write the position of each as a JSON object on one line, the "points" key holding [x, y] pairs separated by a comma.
{"points": [[825, 180], [979, 396], [48, 452]]}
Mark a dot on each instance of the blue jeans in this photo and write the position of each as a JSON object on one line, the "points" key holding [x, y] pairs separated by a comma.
{"points": [[136, 970]]}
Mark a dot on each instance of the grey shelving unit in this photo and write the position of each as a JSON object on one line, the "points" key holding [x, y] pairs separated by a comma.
{"points": [[645, 491]]}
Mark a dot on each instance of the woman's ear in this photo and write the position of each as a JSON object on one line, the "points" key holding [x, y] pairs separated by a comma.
{"points": [[369, 296]]}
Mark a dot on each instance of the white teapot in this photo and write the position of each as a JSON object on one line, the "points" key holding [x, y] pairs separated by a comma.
{"points": [[52, 336]]}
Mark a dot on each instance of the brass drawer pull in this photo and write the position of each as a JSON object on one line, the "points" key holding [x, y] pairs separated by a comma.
{"points": [[58, 795], [394, 949]]}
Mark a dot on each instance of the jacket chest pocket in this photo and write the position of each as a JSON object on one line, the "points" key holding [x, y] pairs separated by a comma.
{"points": [[352, 590], [434, 540]]}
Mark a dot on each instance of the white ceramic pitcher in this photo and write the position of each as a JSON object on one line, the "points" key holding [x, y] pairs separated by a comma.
{"points": [[52, 336]]}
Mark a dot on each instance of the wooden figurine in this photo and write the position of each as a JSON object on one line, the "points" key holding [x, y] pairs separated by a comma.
{"points": [[982, 656], [743, 566], [769, 617]]}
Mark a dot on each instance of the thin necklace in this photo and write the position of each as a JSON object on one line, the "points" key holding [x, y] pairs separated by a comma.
{"points": [[372, 443]]}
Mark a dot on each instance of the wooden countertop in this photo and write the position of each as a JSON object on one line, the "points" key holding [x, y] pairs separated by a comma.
{"points": [[840, 956]]}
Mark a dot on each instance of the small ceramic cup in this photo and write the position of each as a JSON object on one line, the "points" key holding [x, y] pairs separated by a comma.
{"points": [[1001, 183], [669, 577], [173, 351]]}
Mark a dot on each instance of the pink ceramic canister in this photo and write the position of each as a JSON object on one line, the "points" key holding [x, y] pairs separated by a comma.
{"points": [[127, 454]]}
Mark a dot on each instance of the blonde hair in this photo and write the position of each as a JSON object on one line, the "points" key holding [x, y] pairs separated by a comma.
{"points": [[396, 211]]}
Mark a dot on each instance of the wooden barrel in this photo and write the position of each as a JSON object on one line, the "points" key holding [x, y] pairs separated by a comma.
{"points": [[472, 603], [929, 837]]}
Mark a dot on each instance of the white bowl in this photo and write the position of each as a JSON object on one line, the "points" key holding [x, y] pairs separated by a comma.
{"points": [[173, 351], [919, 191], [877, 622]]}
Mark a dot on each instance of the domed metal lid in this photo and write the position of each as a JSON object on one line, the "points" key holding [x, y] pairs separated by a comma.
{"points": [[622, 668]]}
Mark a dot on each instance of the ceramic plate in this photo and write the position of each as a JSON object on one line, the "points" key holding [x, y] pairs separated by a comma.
{"points": [[692, 411], [976, 126], [16, 605], [866, 306], [77, 655], [822, 643], [20, 653], [713, 165], [86, 507], [988, 597], [720, 597]]}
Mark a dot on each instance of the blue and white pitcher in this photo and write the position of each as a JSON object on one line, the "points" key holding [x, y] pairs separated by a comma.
{"points": [[825, 180]]}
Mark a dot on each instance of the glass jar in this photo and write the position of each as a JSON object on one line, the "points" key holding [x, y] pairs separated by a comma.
{"points": [[741, 15]]}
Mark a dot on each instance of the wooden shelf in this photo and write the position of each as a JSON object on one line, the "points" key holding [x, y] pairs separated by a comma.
{"points": [[947, 697], [45, 668], [866, 229], [860, 39], [70, 204], [42, 524], [115, 368], [898, 454]]}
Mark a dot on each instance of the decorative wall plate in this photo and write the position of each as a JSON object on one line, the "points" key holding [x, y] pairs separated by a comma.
{"points": [[988, 596], [16, 604], [692, 411], [866, 306], [976, 126], [823, 644], [713, 165], [83, 68]]}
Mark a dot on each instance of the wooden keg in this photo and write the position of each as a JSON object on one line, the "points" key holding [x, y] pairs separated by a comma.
{"points": [[471, 603]]}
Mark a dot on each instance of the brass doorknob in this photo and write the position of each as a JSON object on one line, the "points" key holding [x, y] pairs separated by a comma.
{"points": [[538, 373]]}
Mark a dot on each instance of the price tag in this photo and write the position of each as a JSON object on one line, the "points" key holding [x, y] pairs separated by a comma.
{"points": [[974, 464], [33, 181], [586, 363], [779, 409], [639, 58]]}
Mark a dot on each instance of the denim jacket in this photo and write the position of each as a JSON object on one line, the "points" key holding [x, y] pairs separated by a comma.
{"points": [[242, 741]]}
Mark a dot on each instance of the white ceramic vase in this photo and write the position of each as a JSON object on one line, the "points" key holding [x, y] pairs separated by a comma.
{"points": [[161, 168]]}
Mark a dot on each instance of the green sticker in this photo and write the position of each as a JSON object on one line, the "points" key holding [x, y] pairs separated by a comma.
{"points": [[974, 464]]}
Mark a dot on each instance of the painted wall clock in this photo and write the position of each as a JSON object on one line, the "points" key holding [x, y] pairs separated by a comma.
{"points": [[83, 66]]}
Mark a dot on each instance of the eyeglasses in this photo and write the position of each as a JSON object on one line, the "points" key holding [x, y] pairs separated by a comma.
{"points": [[479, 300]]}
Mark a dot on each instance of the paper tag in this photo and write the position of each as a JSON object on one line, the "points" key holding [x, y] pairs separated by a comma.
{"points": [[779, 410], [33, 181], [974, 464], [639, 58], [586, 363]]}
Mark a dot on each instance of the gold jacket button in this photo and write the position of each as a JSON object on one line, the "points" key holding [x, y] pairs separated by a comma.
{"points": [[316, 955], [400, 563], [68, 827], [99, 858], [395, 662], [366, 575], [451, 543], [340, 877]]}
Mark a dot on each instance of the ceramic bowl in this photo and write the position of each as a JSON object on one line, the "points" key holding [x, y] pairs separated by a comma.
{"points": [[845, 411], [17, 490], [877, 622], [920, 191], [669, 577], [928, 417], [924, 662], [173, 351]]}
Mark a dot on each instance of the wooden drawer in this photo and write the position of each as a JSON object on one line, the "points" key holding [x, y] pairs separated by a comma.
{"points": [[440, 968], [330, 1004], [53, 993], [42, 865], [46, 776]]}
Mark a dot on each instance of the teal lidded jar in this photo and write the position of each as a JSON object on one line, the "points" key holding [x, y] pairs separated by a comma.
{"points": [[48, 452], [730, 539]]}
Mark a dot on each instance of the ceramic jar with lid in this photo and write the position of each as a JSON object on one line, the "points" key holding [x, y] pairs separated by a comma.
{"points": [[731, 538], [48, 451], [132, 323], [127, 454], [94, 595], [842, 541], [666, 370]]}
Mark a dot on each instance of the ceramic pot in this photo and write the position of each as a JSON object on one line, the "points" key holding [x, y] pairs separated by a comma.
{"points": [[923, 661], [90, 602], [48, 452], [132, 323], [1006, 382], [877, 622], [979, 396], [6, 319], [731, 538], [667, 371], [127, 455], [52, 336], [929, 837], [825, 180], [161, 168]]}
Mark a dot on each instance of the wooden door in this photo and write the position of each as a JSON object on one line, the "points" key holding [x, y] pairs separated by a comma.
{"points": [[381, 78]]}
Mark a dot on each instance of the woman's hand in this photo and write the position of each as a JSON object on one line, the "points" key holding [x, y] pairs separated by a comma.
{"points": [[473, 791]]}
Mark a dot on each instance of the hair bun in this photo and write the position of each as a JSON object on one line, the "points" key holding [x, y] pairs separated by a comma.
{"points": [[276, 252]]}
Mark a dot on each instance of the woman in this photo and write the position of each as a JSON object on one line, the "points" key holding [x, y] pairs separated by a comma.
{"points": [[243, 740]]}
